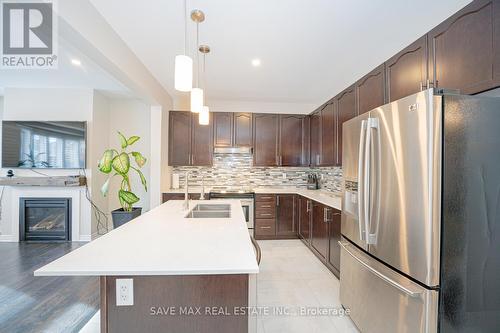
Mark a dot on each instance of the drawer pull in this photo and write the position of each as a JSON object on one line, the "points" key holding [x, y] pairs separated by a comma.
{"points": [[266, 206], [266, 197], [265, 214], [265, 227]]}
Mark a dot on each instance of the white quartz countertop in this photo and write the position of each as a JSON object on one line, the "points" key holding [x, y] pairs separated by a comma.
{"points": [[327, 198], [164, 242]]}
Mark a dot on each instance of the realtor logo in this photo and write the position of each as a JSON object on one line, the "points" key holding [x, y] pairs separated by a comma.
{"points": [[28, 34]]}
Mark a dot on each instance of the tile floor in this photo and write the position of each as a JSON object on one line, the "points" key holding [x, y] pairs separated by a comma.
{"points": [[291, 278]]}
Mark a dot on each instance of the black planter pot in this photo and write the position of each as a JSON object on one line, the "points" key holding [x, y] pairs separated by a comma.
{"points": [[120, 217]]}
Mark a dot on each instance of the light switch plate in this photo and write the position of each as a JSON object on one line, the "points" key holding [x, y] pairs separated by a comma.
{"points": [[124, 292]]}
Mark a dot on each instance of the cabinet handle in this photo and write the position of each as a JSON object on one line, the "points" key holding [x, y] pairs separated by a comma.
{"points": [[421, 86], [277, 200], [265, 227], [325, 214], [307, 206], [281, 160], [266, 197], [317, 159], [266, 206], [265, 214]]}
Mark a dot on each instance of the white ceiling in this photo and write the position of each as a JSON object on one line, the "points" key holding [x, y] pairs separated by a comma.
{"points": [[87, 75], [309, 49]]}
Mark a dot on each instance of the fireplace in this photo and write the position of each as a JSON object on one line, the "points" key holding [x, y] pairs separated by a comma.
{"points": [[45, 219]]}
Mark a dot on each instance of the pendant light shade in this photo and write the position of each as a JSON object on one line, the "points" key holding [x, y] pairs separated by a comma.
{"points": [[183, 73], [204, 116], [196, 100]]}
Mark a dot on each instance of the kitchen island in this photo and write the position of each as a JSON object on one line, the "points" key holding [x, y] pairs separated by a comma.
{"points": [[191, 270]]}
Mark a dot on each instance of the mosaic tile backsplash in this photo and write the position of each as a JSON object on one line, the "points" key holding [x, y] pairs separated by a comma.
{"points": [[237, 170]]}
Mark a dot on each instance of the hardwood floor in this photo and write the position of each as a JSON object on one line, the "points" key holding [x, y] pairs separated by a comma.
{"points": [[42, 304]]}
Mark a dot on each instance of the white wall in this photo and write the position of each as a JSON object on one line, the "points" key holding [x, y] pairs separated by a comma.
{"points": [[183, 103], [99, 141], [48, 104], [131, 117]]}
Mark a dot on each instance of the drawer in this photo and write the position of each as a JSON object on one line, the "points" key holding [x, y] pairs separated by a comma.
{"points": [[265, 213], [265, 227], [265, 205], [265, 198]]}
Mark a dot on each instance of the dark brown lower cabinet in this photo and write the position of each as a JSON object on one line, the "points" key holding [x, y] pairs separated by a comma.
{"points": [[319, 235], [276, 216], [286, 221], [334, 238], [304, 228], [179, 196]]}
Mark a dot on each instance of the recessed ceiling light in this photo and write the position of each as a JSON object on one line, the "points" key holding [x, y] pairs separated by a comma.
{"points": [[255, 62], [76, 62]]}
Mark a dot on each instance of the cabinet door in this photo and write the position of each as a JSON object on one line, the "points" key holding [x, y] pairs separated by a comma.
{"points": [[201, 147], [328, 132], [265, 140], [223, 129], [292, 143], [371, 90], [179, 142], [465, 49], [319, 237], [406, 72], [315, 138], [346, 110], [334, 238], [285, 215], [305, 219], [242, 130]]}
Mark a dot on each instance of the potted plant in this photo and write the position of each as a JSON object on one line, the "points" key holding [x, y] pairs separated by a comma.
{"points": [[117, 163]]}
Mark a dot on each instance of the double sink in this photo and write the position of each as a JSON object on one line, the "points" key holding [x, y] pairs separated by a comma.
{"points": [[210, 211]]}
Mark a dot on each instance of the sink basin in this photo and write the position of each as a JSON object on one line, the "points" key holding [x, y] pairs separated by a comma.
{"points": [[208, 207], [197, 214], [210, 211]]}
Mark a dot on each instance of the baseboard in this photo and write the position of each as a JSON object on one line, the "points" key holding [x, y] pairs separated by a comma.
{"points": [[85, 238], [8, 238]]}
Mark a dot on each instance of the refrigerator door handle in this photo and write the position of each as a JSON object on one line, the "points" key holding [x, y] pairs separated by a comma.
{"points": [[390, 281], [361, 183], [367, 180], [373, 124]]}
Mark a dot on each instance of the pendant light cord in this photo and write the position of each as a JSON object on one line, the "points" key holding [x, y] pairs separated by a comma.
{"points": [[197, 55], [185, 27]]}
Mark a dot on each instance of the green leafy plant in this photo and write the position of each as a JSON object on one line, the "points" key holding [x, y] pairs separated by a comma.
{"points": [[118, 164]]}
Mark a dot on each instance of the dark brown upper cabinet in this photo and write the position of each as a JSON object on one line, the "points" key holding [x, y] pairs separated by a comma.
{"points": [[346, 110], [406, 72], [201, 142], [179, 142], [465, 49], [189, 142], [223, 129], [243, 133], [315, 138], [293, 140], [265, 139], [328, 135], [371, 90], [232, 129]]}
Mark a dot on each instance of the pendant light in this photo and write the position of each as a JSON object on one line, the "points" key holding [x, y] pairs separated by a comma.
{"points": [[197, 93], [204, 116], [183, 77]]}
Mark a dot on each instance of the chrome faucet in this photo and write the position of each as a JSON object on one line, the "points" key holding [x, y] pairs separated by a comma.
{"points": [[202, 194], [185, 206]]}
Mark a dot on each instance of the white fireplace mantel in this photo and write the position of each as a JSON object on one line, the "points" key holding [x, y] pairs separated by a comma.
{"points": [[80, 209]]}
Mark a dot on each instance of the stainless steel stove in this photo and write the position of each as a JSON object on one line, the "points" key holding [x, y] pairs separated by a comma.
{"points": [[246, 196]]}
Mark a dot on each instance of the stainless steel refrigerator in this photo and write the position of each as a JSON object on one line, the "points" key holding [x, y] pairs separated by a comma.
{"points": [[420, 249]]}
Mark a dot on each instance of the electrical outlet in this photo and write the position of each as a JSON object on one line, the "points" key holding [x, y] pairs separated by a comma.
{"points": [[284, 175], [124, 292]]}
